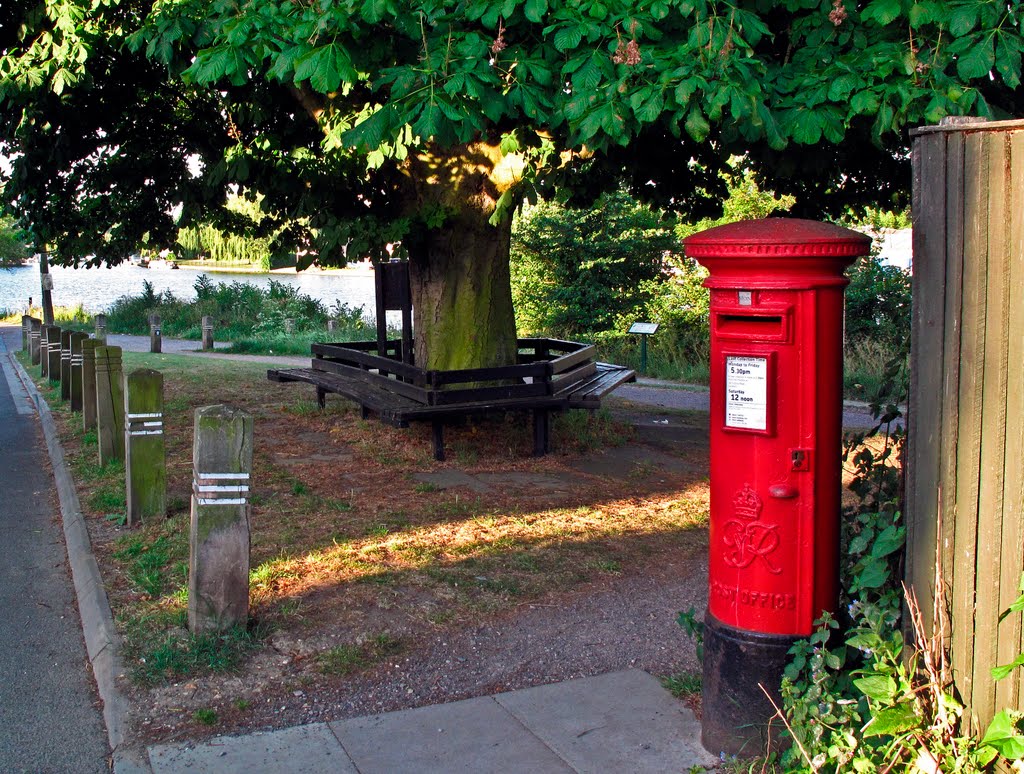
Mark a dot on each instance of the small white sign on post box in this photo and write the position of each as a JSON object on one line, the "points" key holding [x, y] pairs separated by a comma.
{"points": [[746, 392]]}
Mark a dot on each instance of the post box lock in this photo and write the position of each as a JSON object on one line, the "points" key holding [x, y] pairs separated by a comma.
{"points": [[801, 459]]}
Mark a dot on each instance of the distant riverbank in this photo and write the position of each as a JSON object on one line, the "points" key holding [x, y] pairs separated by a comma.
{"points": [[95, 289]]}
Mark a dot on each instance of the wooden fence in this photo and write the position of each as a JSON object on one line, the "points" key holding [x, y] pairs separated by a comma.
{"points": [[965, 460]]}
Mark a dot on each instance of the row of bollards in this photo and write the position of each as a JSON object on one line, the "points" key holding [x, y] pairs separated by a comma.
{"points": [[127, 413]]}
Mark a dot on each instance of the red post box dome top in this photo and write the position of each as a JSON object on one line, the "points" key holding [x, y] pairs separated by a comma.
{"points": [[778, 238]]}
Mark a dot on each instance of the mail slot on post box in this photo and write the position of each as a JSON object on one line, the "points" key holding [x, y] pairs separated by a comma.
{"points": [[776, 422]]}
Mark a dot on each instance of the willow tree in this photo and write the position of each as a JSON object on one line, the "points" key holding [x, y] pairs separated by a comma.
{"points": [[368, 123]]}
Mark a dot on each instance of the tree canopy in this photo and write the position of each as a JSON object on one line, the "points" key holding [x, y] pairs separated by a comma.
{"points": [[363, 123], [108, 98]]}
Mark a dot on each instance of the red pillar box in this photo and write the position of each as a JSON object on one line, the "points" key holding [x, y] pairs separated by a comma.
{"points": [[776, 415]]}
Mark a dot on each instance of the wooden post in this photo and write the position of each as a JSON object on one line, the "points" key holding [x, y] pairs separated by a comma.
{"points": [[218, 573], [89, 383], [101, 329], [44, 351], [109, 404], [53, 354], [76, 369], [26, 326], [35, 340], [155, 343], [207, 333], [65, 365], [145, 466]]}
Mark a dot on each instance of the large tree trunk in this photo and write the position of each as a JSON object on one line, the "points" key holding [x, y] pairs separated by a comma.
{"points": [[462, 297], [459, 270]]}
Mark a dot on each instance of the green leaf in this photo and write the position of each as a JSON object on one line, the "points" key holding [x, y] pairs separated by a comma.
{"points": [[1008, 58], [882, 11], [873, 575], [509, 143], [1003, 733], [890, 540], [963, 19], [999, 672], [891, 721], [977, 62], [864, 102], [806, 128], [535, 10], [697, 125], [587, 77], [568, 37], [843, 86], [880, 688]]}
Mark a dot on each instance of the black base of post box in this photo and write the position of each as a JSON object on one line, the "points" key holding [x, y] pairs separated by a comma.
{"points": [[737, 718]]}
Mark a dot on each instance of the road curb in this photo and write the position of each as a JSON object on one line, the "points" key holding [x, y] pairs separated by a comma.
{"points": [[102, 642]]}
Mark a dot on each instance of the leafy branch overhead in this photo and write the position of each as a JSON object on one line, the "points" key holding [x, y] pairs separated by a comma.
{"points": [[775, 72], [602, 87]]}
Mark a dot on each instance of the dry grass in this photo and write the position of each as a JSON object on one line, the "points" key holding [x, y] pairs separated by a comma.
{"points": [[345, 537]]}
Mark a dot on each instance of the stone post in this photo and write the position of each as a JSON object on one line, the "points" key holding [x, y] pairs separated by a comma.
{"points": [[207, 333], [289, 325], [76, 369], [109, 404], [218, 573], [89, 383], [154, 334], [53, 354], [145, 466], [65, 365], [101, 329], [332, 326], [35, 340]]}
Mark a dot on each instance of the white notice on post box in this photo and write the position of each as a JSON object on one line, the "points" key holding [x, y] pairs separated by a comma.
{"points": [[746, 392]]}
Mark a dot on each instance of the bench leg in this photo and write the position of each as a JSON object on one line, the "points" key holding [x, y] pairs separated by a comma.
{"points": [[541, 432], [438, 428], [321, 397]]}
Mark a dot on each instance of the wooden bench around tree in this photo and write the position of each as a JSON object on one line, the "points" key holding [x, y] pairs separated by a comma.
{"points": [[550, 376]]}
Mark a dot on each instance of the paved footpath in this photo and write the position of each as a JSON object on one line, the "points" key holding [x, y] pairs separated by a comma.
{"points": [[50, 719]]}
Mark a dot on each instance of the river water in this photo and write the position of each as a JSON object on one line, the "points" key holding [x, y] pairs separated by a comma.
{"points": [[96, 289]]}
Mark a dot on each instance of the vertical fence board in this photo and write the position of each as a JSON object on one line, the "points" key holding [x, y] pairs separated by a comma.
{"points": [[951, 357], [924, 411], [1008, 692], [993, 424], [972, 349]]}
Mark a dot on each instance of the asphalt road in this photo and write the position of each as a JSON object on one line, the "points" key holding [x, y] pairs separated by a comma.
{"points": [[50, 716]]}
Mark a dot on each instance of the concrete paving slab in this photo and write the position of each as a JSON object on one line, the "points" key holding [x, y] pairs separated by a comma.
{"points": [[311, 749], [544, 481], [475, 735], [448, 479], [629, 461], [623, 721]]}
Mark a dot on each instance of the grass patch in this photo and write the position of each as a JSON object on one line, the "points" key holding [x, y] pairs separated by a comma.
{"points": [[154, 560], [684, 685], [345, 659], [206, 716], [583, 431], [161, 656]]}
